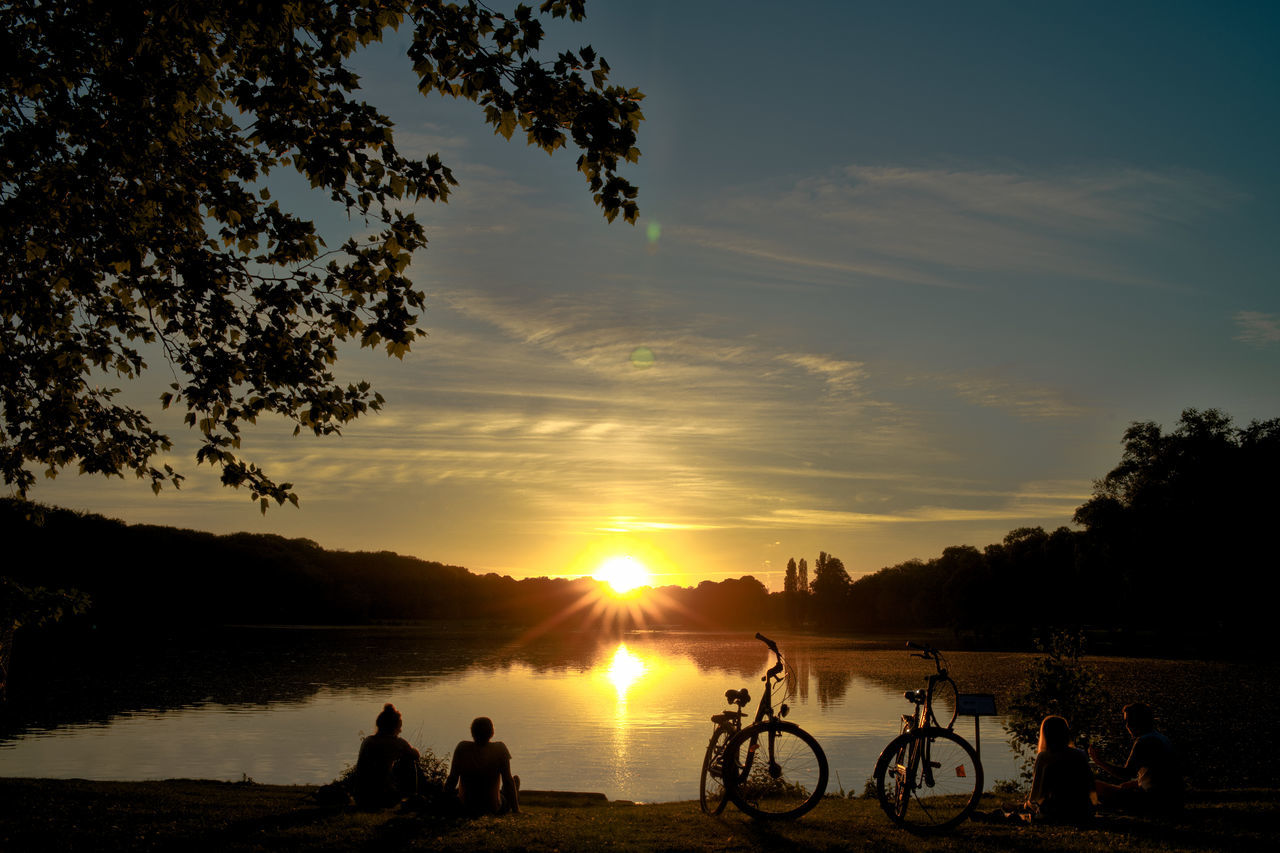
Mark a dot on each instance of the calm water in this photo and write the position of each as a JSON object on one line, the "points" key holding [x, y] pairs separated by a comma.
{"points": [[628, 717]]}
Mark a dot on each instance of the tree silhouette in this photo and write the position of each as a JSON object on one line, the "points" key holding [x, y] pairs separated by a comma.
{"points": [[138, 141]]}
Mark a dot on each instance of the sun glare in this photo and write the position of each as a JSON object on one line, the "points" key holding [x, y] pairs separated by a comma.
{"points": [[623, 574]]}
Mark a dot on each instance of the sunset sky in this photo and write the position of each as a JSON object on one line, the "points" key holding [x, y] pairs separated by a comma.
{"points": [[906, 272]]}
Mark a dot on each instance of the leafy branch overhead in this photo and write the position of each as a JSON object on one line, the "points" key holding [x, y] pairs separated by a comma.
{"points": [[137, 144]]}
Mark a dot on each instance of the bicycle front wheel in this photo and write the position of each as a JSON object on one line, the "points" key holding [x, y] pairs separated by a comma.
{"points": [[945, 703], [778, 770], [928, 780], [711, 793]]}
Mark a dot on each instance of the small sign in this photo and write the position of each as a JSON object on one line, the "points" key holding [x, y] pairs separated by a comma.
{"points": [[976, 705]]}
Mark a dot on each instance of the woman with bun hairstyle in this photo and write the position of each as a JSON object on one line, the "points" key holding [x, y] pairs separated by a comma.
{"points": [[387, 767]]}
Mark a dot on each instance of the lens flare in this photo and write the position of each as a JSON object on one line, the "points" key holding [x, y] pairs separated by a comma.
{"points": [[642, 357]]}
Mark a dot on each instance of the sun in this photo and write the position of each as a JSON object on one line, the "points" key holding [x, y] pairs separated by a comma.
{"points": [[623, 574]]}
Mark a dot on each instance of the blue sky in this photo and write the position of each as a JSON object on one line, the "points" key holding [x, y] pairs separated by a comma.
{"points": [[907, 272]]}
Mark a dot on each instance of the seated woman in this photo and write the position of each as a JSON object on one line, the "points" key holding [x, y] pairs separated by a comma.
{"points": [[479, 766], [1062, 787], [387, 767]]}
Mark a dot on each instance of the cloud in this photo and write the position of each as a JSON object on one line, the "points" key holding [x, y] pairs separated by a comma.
{"points": [[1257, 329], [842, 377], [946, 228], [1024, 402]]}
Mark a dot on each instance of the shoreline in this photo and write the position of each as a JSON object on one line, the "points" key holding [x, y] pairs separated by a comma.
{"points": [[201, 814]]}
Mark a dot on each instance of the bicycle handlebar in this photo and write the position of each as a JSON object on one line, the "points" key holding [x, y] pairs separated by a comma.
{"points": [[773, 647], [928, 653]]}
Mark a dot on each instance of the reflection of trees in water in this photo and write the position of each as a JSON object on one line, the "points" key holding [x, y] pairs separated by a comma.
{"points": [[97, 677], [833, 684], [798, 675], [90, 678], [732, 654]]}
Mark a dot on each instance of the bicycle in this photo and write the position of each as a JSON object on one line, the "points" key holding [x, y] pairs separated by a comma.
{"points": [[929, 778], [772, 769]]}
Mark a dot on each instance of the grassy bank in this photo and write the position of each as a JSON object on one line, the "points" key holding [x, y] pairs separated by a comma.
{"points": [[70, 815]]}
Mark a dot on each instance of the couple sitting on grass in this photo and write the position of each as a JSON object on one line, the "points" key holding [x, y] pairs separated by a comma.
{"points": [[480, 780], [1063, 789]]}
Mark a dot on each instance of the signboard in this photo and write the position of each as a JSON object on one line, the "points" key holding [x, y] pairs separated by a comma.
{"points": [[976, 705]]}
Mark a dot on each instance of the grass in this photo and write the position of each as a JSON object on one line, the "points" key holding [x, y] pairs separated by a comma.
{"points": [[197, 815]]}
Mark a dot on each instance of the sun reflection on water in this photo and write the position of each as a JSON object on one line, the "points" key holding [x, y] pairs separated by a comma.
{"points": [[624, 670]]}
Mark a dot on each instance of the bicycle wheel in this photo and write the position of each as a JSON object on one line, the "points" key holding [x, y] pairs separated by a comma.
{"points": [[945, 705], [711, 793], [780, 772], [928, 780]]}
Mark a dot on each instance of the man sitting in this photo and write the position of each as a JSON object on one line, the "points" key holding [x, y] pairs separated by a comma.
{"points": [[479, 766], [1153, 772]]}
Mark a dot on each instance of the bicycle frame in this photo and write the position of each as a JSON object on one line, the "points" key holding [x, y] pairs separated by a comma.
{"points": [[924, 716], [768, 767], [764, 712]]}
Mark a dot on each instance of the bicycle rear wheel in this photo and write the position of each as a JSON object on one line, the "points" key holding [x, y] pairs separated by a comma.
{"points": [[928, 780], [779, 771], [711, 793]]}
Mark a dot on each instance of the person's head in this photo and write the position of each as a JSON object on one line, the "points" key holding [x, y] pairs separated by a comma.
{"points": [[482, 729], [1139, 718], [1055, 734], [389, 721]]}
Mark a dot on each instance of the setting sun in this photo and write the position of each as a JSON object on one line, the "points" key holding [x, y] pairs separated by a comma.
{"points": [[623, 574]]}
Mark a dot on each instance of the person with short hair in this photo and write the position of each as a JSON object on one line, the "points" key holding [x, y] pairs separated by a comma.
{"points": [[387, 766], [481, 772], [1152, 774], [1062, 788]]}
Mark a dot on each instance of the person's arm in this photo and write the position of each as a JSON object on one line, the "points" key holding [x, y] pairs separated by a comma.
{"points": [[451, 783], [509, 786], [1128, 771]]}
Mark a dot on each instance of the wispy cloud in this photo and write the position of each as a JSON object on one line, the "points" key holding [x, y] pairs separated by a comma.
{"points": [[1023, 401], [944, 228], [1257, 329]]}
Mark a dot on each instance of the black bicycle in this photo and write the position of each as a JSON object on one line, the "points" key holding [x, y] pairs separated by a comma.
{"points": [[772, 769], [928, 778]]}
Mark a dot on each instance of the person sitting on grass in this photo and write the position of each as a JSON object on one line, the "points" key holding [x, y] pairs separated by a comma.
{"points": [[1062, 788], [1153, 774], [387, 767], [481, 770]]}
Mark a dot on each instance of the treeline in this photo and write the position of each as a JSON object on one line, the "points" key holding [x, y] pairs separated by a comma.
{"points": [[152, 575], [1177, 543]]}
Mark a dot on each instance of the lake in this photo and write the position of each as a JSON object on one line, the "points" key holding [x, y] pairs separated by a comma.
{"points": [[627, 716]]}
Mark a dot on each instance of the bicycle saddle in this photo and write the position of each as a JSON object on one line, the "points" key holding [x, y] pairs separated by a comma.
{"points": [[737, 697]]}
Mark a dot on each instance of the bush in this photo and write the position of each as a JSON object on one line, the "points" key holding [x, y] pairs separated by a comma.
{"points": [[1058, 682]]}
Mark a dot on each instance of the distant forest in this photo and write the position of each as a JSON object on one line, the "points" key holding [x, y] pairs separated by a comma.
{"points": [[1178, 542]]}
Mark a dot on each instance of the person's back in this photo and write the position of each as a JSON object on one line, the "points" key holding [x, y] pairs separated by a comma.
{"points": [[1160, 771], [1067, 786], [386, 768], [1062, 786], [481, 770]]}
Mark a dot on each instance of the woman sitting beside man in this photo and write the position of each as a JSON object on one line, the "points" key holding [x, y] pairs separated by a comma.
{"points": [[1062, 788]]}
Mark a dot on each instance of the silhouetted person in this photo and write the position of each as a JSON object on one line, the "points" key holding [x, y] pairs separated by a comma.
{"points": [[1062, 788], [387, 767], [1153, 772], [481, 770]]}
